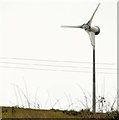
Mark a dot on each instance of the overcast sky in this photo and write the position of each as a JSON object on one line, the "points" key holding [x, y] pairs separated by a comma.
{"points": [[38, 55]]}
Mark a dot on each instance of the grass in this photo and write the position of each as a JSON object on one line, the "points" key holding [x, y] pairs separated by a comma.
{"points": [[21, 112]]}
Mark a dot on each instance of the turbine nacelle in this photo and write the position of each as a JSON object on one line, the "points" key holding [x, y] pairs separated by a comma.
{"points": [[95, 29]]}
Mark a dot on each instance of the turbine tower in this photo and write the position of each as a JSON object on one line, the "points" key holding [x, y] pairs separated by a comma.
{"points": [[92, 31]]}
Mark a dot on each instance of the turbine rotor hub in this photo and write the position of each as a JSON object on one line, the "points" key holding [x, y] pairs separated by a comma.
{"points": [[86, 27]]}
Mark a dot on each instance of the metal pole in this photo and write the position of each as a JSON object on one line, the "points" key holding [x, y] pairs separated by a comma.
{"points": [[94, 93]]}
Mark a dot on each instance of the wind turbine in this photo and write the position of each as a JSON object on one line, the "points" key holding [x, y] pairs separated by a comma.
{"points": [[92, 31]]}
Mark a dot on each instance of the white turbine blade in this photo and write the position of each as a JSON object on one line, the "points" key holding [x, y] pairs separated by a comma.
{"points": [[90, 21], [92, 38], [80, 26]]}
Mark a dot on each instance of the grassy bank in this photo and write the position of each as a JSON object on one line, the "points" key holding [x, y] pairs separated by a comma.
{"points": [[14, 112]]}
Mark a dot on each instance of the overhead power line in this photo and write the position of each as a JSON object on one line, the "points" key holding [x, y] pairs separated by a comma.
{"points": [[75, 71], [48, 65], [46, 60]]}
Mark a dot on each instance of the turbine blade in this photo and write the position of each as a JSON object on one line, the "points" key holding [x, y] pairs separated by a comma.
{"points": [[92, 38], [90, 21], [72, 26]]}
